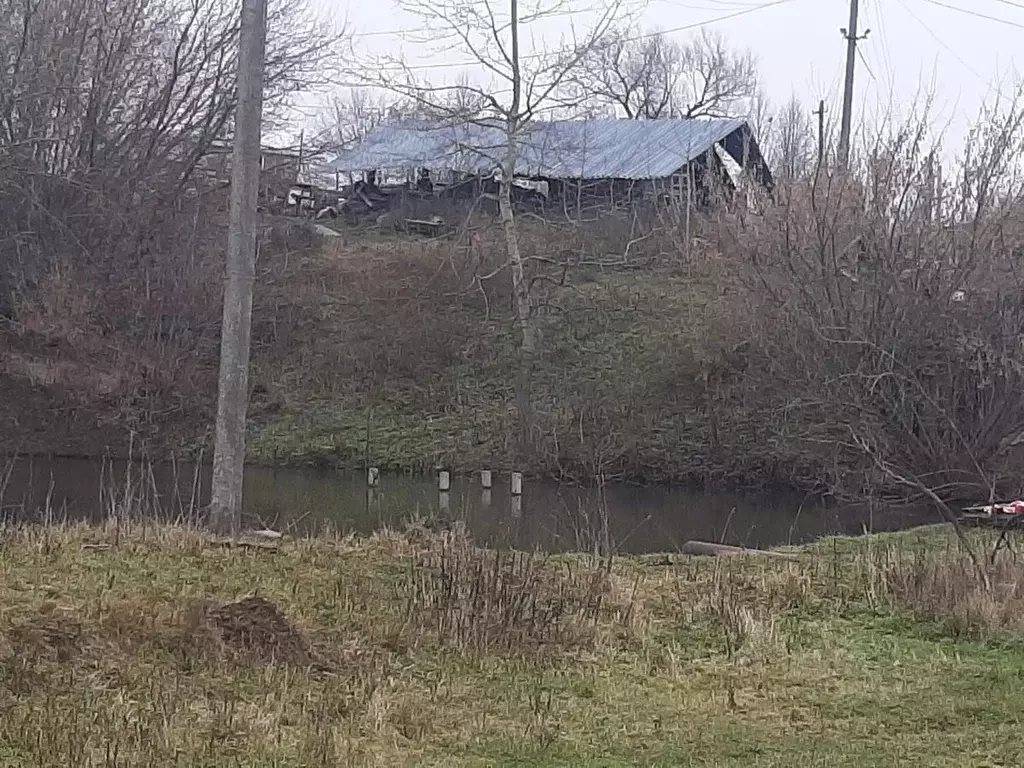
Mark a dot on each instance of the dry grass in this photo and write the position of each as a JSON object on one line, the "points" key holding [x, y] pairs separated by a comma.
{"points": [[492, 601], [150, 645]]}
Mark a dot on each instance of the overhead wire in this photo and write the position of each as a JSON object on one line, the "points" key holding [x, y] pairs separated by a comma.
{"points": [[940, 41], [977, 14], [1011, 3], [400, 32], [629, 39], [864, 61], [883, 39]]}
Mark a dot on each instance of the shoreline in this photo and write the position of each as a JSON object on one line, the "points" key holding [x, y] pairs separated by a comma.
{"points": [[466, 469]]}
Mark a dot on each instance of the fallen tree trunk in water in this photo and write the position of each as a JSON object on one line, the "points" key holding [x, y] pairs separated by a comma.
{"points": [[710, 549]]}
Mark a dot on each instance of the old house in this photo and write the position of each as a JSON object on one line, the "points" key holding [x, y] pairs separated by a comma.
{"points": [[605, 161], [280, 168]]}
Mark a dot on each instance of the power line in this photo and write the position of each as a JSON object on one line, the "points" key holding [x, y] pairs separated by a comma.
{"points": [[1011, 3], [883, 39], [940, 41], [400, 32], [977, 14], [867, 66], [631, 39]]}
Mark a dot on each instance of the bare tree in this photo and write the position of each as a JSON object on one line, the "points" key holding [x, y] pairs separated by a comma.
{"points": [[136, 80], [522, 87], [762, 118], [107, 108], [351, 114], [792, 149], [647, 75]]}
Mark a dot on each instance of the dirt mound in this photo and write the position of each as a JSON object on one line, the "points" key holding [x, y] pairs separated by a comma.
{"points": [[256, 629], [55, 637]]}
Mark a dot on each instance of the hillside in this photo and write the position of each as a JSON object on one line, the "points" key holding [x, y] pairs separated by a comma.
{"points": [[392, 338], [751, 358]]}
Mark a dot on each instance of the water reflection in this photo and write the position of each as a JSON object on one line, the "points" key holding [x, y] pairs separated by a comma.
{"points": [[546, 516]]}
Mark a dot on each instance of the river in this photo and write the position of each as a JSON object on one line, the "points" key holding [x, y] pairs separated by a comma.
{"points": [[548, 516]]}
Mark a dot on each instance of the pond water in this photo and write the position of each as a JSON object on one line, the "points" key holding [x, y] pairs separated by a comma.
{"points": [[548, 516]]}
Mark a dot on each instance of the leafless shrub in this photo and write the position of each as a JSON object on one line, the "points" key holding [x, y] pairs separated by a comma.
{"points": [[106, 112], [887, 303]]}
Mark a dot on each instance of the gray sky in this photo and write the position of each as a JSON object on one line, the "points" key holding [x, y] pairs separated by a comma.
{"points": [[914, 46]]}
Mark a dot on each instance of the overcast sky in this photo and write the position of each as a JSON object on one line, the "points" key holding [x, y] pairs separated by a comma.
{"points": [[914, 46]]}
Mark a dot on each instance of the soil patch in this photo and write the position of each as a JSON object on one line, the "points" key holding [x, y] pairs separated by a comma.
{"points": [[54, 637], [257, 630]]}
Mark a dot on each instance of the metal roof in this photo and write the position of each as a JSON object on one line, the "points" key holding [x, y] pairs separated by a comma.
{"points": [[587, 149]]}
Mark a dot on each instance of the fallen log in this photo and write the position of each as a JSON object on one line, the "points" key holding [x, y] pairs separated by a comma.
{"points": [[710, 549]]}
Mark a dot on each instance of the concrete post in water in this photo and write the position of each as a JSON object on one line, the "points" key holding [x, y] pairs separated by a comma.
{"points": [[516, 506], [444, 501], [485, 478], [373, 477], [517, 484], [444, 481], [485, 497]]}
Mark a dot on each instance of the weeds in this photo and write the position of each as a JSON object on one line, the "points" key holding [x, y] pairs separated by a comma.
{"points": [[490, 601], [137, 644]]}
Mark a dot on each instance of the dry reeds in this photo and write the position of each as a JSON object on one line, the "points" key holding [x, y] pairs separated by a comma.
{"points": [[489, 601]]}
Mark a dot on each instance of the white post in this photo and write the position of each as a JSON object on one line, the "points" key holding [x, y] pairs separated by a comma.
{"points": [[517, 484], [373, 477], [444, 480], [485, 478]]}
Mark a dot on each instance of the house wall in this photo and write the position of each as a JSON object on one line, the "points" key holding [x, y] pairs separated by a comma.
{"points": [[275, 165]]}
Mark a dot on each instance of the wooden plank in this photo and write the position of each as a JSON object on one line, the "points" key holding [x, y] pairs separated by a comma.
{"points": [[710, 549], [988, 518]]}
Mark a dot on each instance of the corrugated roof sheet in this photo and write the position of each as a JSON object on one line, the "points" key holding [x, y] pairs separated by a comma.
{"points": [[589, 149]]}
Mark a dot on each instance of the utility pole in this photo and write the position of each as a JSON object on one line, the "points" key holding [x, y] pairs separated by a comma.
{"points": [[236, 325], [821, 134], [850, 33]]}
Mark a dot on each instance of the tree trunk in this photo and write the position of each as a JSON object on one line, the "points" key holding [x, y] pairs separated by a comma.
{"points": [[520, 286], [236, 326], [524, 310]]}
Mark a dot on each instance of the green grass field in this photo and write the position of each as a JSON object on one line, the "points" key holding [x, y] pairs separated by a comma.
{"points": [[156, 646]]}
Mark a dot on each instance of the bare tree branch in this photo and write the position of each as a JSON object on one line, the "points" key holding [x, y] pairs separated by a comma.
{"points": [[647, 76]]}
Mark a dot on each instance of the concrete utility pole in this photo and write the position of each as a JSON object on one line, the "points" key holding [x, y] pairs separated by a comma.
{"points": [[850, 33], [233, 385]]}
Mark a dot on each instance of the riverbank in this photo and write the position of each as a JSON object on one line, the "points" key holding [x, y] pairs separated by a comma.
{"points": [[375, 350], [396, 352], [157, 645]]}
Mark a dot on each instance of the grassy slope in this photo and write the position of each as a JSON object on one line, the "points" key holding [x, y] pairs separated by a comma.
{"points": [[105, 657], [390, 335], [634, 375]]}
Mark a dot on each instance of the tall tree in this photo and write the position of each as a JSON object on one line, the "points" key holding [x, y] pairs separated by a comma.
{"points": [[645, 75], [490, 32], [792, 151]]}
